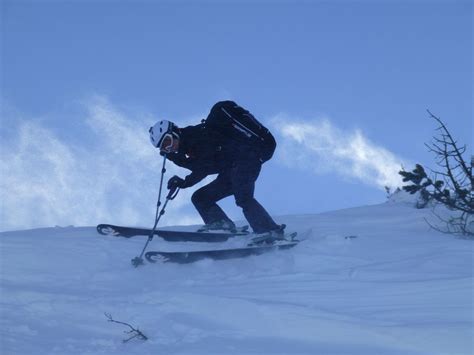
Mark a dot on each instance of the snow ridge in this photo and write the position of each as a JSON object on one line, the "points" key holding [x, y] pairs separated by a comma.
{"points": [[393, 287]]}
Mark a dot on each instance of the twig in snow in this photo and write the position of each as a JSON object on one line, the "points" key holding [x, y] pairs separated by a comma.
{"points": [[135, 333]]}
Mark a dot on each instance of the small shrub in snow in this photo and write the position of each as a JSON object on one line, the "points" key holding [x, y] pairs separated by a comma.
{"points": [[451, 186]]}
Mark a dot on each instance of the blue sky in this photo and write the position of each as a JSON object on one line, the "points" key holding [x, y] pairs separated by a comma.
{"points": [[343, 85]]}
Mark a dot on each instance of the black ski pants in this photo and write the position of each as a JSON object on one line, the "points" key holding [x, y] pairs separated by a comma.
{"points": [[238, 180]]}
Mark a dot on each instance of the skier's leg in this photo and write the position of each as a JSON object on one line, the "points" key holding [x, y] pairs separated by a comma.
{"points": [[205, 198], [244, 174]]}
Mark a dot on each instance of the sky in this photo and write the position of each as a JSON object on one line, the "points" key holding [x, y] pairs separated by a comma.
{"points": [[344, 86]]}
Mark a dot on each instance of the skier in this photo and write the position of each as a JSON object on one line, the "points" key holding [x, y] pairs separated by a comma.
{"points": [[232, 144]]}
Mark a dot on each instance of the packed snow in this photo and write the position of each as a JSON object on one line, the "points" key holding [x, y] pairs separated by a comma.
{"points": [[367, 280]]}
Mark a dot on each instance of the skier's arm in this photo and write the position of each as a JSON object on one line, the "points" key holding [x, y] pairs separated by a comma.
{"points": [[193, 178], [180, 160]]}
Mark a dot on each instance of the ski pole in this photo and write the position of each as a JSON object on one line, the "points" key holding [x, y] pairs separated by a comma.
{"points": [[138, 260], [158, 204], [171, 195]]}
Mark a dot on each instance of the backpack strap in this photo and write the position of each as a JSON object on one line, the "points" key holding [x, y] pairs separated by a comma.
{"points": [[240, 126]]}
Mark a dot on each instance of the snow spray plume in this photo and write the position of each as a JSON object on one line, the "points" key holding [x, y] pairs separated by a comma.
{"points": [[323, 148], [71, 172]]}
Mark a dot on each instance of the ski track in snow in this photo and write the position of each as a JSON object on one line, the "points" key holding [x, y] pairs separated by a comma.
{"points": [[398, 288]]}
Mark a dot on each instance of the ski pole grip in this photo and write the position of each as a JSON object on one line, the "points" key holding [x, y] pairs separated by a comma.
{"points": [[173, 193]]}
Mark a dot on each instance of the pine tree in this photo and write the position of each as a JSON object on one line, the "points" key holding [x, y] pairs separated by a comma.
{"points": [[454, 188]]}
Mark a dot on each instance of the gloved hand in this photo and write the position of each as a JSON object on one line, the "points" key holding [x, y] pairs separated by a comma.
{"points": [[175, 182]]}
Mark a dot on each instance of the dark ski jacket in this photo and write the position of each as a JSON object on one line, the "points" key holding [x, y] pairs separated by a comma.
{"points": [[206, 151], [203, 151]]}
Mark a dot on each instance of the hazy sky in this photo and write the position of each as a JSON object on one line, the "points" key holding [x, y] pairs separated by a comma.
{"points": [[343, 85]]}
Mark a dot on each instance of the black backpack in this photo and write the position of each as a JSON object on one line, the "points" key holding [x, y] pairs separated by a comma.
{"points": [[239, 125]]}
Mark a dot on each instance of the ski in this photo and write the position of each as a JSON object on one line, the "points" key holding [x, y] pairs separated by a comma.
{"points": [[186, 257], [257, 246], [170, 236]]}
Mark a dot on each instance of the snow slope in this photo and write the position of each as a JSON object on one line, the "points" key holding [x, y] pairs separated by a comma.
{"points": [[398, 288]]}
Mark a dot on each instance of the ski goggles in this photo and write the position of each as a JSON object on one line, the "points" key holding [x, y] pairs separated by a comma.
{"points": [[167, 143]]}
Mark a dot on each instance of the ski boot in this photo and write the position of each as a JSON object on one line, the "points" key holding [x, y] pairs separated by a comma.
{"points": [[271, 236]]}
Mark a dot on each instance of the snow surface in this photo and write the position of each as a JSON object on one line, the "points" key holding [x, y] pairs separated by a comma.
{"points": [[368, 280]]}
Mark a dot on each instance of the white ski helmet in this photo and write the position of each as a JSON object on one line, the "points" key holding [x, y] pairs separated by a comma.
{"points": [[159, 130]]}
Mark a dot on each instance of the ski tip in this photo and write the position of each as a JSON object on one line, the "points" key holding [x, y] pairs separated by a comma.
{"points": [[104, 229], [156, 257]]}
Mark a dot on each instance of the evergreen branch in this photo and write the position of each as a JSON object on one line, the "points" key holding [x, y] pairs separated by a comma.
{"points": [[450, 139], [454, 188]]}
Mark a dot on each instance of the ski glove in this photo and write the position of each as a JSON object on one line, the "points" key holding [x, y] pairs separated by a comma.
{"points": [[175, 182]]}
